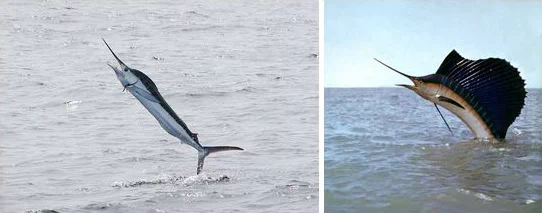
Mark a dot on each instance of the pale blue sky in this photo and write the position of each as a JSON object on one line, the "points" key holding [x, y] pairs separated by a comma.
{"points": [[415, 36]]}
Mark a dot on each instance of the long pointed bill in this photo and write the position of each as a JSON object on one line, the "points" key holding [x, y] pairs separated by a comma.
{"points": [[408, 76], [120, 62]]}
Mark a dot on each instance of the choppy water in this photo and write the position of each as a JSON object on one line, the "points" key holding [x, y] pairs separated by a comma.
{"points": [[239, 73], [388, 150]]}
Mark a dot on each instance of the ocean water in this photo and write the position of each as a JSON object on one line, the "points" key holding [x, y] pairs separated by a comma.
{"points": [[241, 73], [388, 150]]}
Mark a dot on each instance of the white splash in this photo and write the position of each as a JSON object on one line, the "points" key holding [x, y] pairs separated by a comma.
{"points": [[72, 105], [483, 197]]}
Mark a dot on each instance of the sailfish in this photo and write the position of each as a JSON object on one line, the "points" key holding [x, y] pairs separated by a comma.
{"points": [[486, 94], [145, 90]]}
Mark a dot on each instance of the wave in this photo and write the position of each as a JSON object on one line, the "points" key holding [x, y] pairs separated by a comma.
{"points": [[103, 206], [244, 89], [41, 211], [194, 13], [206, 28], [205, 94]]}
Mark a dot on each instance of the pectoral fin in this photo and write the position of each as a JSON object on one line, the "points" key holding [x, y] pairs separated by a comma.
{"points": [[145, 94], [445, 99]]}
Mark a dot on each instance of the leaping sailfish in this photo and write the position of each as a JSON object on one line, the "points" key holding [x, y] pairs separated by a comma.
{"points": [[486, 94], [144, 89]]}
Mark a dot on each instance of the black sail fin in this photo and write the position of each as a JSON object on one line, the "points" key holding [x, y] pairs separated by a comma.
{"points": [[493, 87], [450, 61]]}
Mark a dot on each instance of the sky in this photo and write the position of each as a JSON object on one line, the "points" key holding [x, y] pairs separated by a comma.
{"points": [[415, 36]]}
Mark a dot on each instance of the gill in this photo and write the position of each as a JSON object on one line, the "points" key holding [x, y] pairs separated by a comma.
{"points": [[129, 85]]}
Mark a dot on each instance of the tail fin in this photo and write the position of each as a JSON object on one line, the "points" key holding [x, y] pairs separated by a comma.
{"points": [[211, 149]]}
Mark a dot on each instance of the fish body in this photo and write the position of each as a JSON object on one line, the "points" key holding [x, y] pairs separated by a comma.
{"points": [[145, 90]]}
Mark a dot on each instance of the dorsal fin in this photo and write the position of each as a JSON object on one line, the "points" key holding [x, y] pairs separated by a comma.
{"points": [[451, 60], [491, 86]]}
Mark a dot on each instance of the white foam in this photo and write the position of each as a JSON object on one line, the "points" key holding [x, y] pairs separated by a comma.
{"points": [[483, 197], [516, 131], [72, 105], [172, 179]]}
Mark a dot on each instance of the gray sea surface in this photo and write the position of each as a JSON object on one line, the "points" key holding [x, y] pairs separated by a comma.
{"points": [[240, 73], [388, 150]]}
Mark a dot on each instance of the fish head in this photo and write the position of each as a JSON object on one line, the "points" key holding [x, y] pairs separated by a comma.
{"points": [[420, 87], [124, 73], [426, 90]]}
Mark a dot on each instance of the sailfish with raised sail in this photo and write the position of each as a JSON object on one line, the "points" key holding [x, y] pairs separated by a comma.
{"points": [[486, 94]]}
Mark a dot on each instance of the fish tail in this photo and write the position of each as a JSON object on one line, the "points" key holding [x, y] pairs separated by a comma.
{"points": [[212, 149]]}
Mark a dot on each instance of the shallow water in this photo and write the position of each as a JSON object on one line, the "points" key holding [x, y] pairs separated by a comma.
{"points": [[388, 150], [239, 73]]}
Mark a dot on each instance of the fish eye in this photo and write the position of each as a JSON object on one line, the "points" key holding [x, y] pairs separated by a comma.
{"points": [[125, 69]]}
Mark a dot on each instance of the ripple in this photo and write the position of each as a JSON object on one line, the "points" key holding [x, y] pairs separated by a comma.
{"points": [[401, 149], [42, 211], [103, 206]]}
